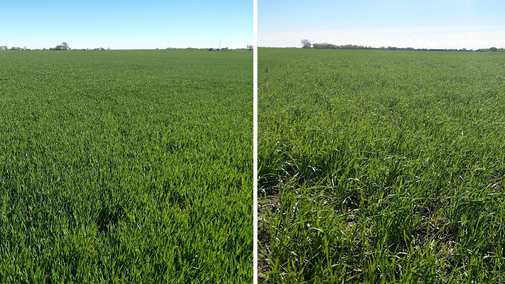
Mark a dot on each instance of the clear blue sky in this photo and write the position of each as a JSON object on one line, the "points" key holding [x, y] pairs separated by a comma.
{"points": [[126, 24], [402, 23]]}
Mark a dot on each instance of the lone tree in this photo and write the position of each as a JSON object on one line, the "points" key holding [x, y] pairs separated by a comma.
{"points": [[65, 45], [306, 43]]}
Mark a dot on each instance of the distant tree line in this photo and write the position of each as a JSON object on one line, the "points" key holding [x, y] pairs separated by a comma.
{"points": [[63, 46], [352, 46], [4, 47]]}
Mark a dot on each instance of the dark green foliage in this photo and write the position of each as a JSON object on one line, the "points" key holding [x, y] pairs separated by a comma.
{"points": [[380, 166], [125, 167]]}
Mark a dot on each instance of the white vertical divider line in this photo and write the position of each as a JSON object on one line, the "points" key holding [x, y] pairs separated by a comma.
{"points": [[255, 141]]}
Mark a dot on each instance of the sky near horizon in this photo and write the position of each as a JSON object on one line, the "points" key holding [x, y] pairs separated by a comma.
{"points": [[470, 24], [126, 24]]}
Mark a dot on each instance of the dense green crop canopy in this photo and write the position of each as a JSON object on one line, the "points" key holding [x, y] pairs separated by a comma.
{"points": [[125, 167], [381, 166]]}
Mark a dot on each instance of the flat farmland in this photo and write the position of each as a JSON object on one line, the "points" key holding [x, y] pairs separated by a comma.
{"points": [[381, 166], [126, 167]]}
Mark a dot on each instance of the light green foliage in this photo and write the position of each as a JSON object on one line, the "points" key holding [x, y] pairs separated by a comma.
{"points": [[126, 167], [381, 166]]}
